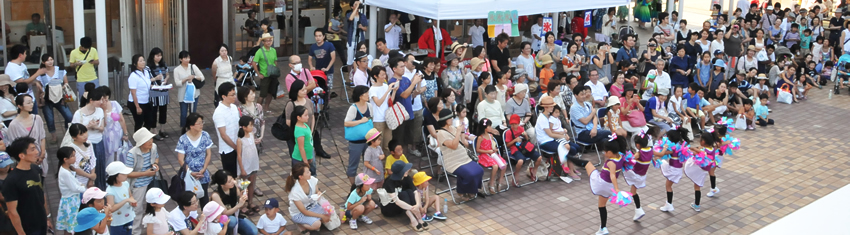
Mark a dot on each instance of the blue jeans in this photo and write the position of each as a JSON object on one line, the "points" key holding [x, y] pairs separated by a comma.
{"points": [[584, 136], [81, 86], [552, 147], [121, 229], [312, 165], [184, 111], [48, 115], [246, 227]]}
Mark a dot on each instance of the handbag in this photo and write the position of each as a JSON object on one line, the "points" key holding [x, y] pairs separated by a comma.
{"points": [[159, 182], [783, 95], [358, 132], [636, 118], [68, 94], [197, 82], [271, 68], [396, 115], [189, 95], [329, 209], [279, 128]]}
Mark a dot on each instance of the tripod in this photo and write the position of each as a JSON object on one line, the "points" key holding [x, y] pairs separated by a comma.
{"points": [[322, 102]]}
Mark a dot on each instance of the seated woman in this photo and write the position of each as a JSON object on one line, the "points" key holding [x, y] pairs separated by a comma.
{"points": [[403, 193], [304, 209], [455, 158], [554, 139], [630, 102], [231, 197]]}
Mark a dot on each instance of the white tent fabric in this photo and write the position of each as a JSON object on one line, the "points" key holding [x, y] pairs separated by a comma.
{"points": [[478, 9]]}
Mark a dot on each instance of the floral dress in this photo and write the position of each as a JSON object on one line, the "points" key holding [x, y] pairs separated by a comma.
{"points": [[454, 78], [114, 131], [195, 152], [430, 88]]}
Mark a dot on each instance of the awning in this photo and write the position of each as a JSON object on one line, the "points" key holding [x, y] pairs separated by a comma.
{"points": [[478, 9]]}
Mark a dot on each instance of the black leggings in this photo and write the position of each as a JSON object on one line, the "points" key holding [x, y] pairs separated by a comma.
{"points": [[147, 118]]}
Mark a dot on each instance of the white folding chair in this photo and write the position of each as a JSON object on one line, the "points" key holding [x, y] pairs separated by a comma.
{"points": [[450, 188], [483, 180], [510, 166]]}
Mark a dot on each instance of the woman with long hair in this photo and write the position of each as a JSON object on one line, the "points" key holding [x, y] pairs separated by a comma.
{"points": [[52, 80], [304, 209], [115, 130], [8, 110], [298, 97], [28, 124], [159, 97], [92, 116]]}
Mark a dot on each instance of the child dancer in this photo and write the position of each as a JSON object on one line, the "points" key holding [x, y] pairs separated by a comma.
{"points": [[70, 189], [603, 183], [248, 160], [721, 137], [488, 154], [637, 176], [697, 167], [672, 168]]}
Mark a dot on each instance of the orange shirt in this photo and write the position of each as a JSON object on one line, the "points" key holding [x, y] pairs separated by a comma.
{"points": [[545, 75]]}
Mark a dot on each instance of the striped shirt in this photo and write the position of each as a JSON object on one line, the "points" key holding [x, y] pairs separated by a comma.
{"points": [[146, 166]]}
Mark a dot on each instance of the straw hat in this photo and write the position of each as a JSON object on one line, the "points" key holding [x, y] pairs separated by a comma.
{"points": [[475, 62], [547, 101], [265, 36], [142, 136], [761, 76], [613, 100], [372, 134], [545, 60], [456, 46]]}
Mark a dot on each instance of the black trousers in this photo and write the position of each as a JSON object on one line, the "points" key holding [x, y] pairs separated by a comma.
{"points": [[147, 118]]}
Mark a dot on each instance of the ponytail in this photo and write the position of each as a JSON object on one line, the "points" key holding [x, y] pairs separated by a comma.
{"points": [[293, 117], [244, 122], [297, 170], [62, 154]]}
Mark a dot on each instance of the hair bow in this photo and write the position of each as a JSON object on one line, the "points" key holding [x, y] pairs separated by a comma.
{"points": [[612, 137], [642, 133]]}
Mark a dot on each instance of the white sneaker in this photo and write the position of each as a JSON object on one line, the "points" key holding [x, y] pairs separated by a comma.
{"points": [[365, 219], [602, 231], [667, 207], [639, 214], [567, 179], [353, 224], [713, 192]]}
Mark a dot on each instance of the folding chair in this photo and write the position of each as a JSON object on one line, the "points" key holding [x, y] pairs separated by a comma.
{"points": [[474, 152], [345, 86], [450, 188], [510, 166], [428, 149], [584, 145]]}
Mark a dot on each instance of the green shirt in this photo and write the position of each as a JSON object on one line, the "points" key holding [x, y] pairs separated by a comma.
{"points": [[40, 27], [263, 61], [308, 143]]}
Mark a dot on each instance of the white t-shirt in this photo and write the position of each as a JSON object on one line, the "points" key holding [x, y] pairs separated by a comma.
{"points": [[392, 37], [213, 228], [717, 45], [227, 117], [477, 35], [662, 80], [360, 78], [597, 90], [269, 225], [140, 81], [675, 104], [297, 194], [158, 220], [376, 92], [18, 71], [528, 66], [417, 100], [536, 30], [95, 136], [177, 219], [7, 105], [540, 129]]}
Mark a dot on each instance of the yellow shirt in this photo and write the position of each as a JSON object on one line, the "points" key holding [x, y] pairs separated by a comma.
{"points": [[86, 72], [390, 160]]}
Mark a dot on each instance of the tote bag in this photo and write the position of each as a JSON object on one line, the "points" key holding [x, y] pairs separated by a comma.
{"points": [[784, 94], [741, 122], [189, 95], [396, 115], [358, 132]]}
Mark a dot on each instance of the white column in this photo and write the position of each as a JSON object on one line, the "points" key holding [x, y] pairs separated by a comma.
{"points": [[3, 29], [126, 34], [224, 22], [681, 10], [100, 25], [373, 30], [670, 8], [732, 8], [79, 22]]}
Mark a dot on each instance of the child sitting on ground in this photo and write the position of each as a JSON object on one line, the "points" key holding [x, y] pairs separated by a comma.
{"points": [[242, 69], [761, 111], [396, 154], [748, 113], [826, 73], [804, 83], [420, 180], [272, 223], [360, 201]]}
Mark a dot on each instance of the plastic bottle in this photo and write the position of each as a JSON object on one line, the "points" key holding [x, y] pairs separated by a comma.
{"points": [[830, 93], [445, 205]]}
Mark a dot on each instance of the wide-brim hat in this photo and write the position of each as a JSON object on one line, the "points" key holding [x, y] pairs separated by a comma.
{"points": [[212, 210], [372, 134], [6, 80], [455, 46], [265, 36], [88, 218], [720, 63], [398, 169], [547, 101], [761, 76], [475, 62], [545, 60], [420, 177], [613, 100], [142, 136]]}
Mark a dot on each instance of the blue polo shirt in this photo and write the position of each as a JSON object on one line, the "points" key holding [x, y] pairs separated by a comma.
{"points": [[692, 101], [406, 102], [624, 54]]}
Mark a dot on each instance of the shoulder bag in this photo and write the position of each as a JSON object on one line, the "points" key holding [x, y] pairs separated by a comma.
{"points": [[279, 128], [197, 82], [358, 132], [271, 68], [396, 115]]}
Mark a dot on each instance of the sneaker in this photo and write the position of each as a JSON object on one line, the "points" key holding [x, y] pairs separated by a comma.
{"points": [[427, 218], [352, 224], [439, 216], [750, 127], [416, 153], [667, 207], [713, 192], [365, 219], [567, 179], [602, 231], [639, 214], [695, 207]]}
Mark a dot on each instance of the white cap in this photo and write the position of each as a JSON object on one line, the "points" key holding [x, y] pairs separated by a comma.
{"points": [[117, 167], [156, 196]]}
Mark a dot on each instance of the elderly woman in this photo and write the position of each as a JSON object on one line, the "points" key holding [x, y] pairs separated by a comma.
{"points": [[518, 104], [455, 158], [680, 67], [554, 139], [452, 76]]}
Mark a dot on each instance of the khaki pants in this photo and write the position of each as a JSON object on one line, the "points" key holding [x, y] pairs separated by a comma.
{"points": [[139, 195], [387, 135]]}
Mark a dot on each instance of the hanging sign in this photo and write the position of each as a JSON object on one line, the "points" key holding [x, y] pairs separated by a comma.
{"points": [[503, 22], [587, 18]]}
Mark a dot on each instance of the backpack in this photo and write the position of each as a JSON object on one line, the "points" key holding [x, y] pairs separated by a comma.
{"points": [[279, 129]]}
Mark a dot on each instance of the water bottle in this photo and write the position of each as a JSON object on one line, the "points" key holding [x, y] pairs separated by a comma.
{"points": [[445, 205], [830, 93]]}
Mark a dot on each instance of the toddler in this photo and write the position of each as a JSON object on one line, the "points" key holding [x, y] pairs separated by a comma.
{"points": [[420, 180], [242, 69], [271, 222]]}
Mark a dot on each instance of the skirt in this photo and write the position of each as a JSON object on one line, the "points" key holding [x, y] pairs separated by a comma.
{"points": [[693, 171], [469, 177], [642, 13], [672, 174], [159, 97], [623, 11], [600, 187], [66, 218], [301, 218], [633, 179]]}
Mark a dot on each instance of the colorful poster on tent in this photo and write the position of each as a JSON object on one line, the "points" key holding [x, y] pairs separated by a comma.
{"points": [[507, 29], [587, 18], [498, 29], [491, 24], [503, 22], [514, 23]]}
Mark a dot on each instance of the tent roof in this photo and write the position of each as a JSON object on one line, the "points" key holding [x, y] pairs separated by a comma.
{"points": [[478, 9]]}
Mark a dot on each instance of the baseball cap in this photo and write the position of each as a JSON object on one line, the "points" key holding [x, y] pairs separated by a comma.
{"points": [[156, 196], [514, 119], [116, 167], [270, 203], [362, 179], [5, 160], [93, 193], [718, 52]]}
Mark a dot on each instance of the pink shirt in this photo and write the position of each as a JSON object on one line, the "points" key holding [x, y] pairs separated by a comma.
{"points": [[303, 76]]}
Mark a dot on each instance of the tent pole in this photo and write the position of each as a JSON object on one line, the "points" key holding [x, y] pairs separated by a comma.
{"points": [[373, 25]]}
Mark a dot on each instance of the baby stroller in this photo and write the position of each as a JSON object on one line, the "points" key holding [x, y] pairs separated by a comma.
{"points": [[841, 73], [620, 37]]}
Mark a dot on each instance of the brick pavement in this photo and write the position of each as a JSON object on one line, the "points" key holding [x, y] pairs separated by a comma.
{"points": [[778, 170]]}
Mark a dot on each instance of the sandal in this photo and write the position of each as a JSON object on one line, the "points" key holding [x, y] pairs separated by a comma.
{"points": [[493, 190], [532, 176], [425, 225], [256, 208]]}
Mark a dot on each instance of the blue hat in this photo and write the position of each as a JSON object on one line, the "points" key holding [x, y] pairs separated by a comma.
{"points": [[271, 203], [399, 168], [5, 160], [720, 63], [87, 219]]}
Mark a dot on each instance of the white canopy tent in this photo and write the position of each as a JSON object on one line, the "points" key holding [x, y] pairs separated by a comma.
{"points": [[478, 9]]}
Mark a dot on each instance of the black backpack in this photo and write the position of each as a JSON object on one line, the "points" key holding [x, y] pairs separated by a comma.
{"points": [[279, 129]]}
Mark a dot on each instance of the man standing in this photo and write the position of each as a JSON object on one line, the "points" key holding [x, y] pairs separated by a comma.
{"points": [[392, 32], [428, 40], [384, 51], [325, 56], [768, 19], [536, 31], [406, 87], [226, 120], [265, 58], [297, 71], [836, 25], [500, 55], [628, 52], [476, 34], [358, 24], [23, 188], [84, 59], [17, 71], [584, 116], [418, 88]]}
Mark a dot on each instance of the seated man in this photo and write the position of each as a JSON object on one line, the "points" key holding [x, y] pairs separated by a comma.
{"points": [[597, 88], [585, 118], [36, 27], [253, 25]]}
